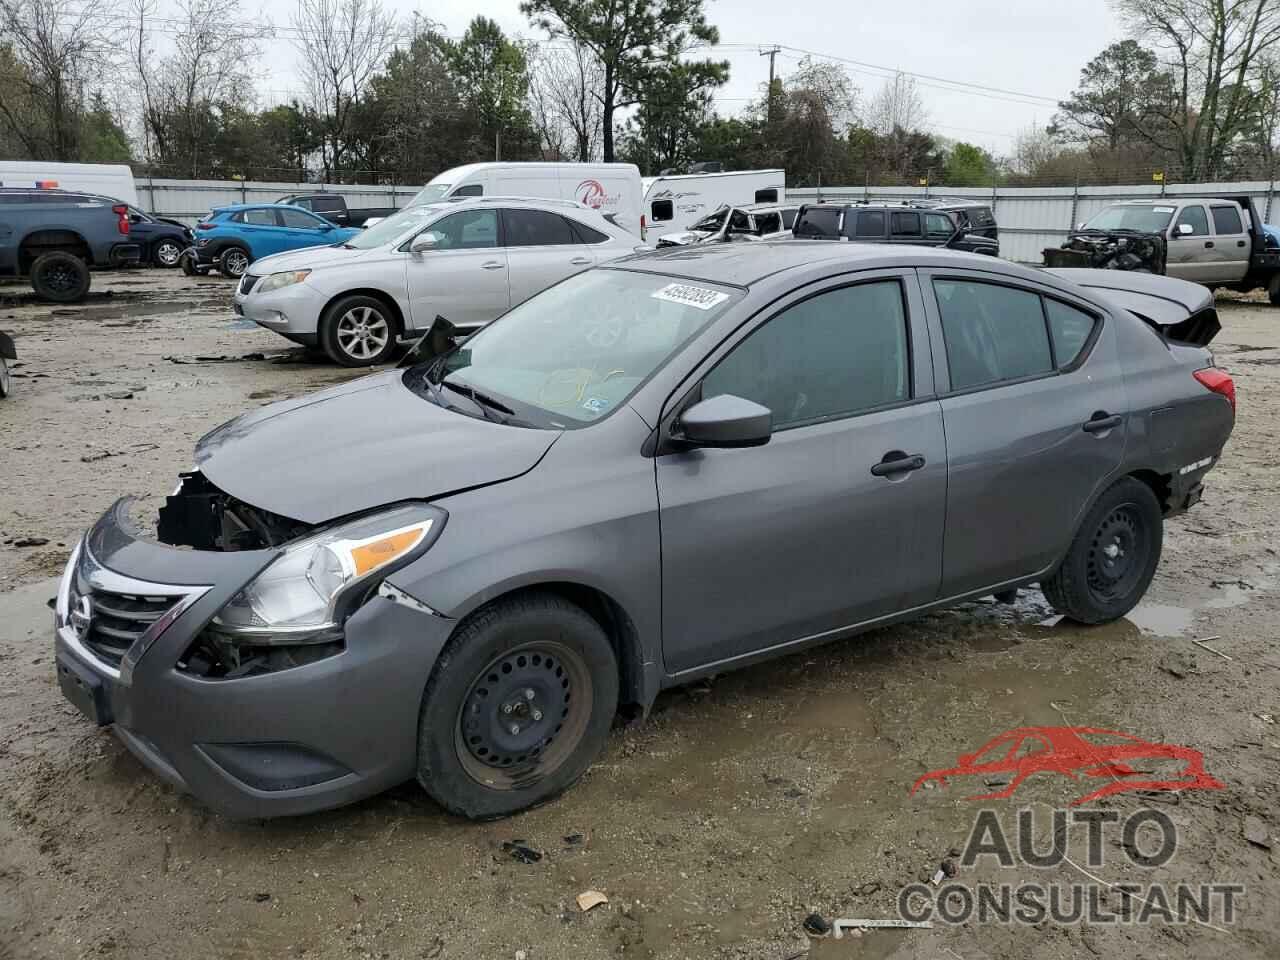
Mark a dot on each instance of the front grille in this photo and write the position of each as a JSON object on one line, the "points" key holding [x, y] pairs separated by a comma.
{"points": [[118, 620], [247, 282]]}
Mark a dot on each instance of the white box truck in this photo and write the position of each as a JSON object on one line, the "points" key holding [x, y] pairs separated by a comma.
{"points": [[612, 188], [113, 180], [676, 202]]}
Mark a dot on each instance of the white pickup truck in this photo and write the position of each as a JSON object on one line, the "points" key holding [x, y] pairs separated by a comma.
{"points": [[1215, 241]]}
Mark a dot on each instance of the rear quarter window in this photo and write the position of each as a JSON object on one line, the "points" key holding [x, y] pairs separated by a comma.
{"points": [[818, 222]]}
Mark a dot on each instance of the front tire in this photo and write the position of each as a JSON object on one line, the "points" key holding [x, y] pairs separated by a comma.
{"points": [[166, 253], [233, 262], [1113, 557], [60, 277], [517, 708], [358, 332]]}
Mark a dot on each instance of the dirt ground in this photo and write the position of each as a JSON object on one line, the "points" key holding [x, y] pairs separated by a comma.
{"points": [[716, 826]]}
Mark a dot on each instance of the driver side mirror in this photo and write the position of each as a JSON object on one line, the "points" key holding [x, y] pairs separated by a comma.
{"points": [[424, 241], [726, 421], [1185, 229]]}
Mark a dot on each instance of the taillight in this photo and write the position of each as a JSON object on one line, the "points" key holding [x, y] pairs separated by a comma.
{"points": [[121, 211], [643, 226], [1219, 381]]}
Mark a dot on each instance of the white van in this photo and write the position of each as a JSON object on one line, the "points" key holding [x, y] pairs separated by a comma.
{"points": [[675, 203], [105, 179], [612, 188]]}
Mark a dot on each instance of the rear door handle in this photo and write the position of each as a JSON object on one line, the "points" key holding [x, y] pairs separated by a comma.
{"points": [[580, 261], [896, 462], [492, 265], [1208, 244], [1102, 421]]}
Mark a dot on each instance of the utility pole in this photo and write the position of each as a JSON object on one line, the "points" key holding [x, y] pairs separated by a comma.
{"points": [[771, 53]]}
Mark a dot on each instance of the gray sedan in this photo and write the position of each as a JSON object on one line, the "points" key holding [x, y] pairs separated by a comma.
{"points": [[674, 466]]}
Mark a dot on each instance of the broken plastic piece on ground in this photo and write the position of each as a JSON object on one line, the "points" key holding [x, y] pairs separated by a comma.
{"points": [[519, 851], [590, 899], [815, 926]]}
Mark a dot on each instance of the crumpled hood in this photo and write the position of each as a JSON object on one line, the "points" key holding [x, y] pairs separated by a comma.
{"points": [[310, 258], [360, 445]]}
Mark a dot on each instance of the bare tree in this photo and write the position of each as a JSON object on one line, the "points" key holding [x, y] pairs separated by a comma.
{"points": [[1214, 50], [214, 42], [564, 99], [897, 105], [60, 50], [343, 44]]}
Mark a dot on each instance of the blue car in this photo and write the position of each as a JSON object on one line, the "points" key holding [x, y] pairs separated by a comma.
{"points": [[231, 238]]}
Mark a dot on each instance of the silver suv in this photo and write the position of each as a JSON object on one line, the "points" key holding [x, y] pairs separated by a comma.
{"points": [[469, 261]]}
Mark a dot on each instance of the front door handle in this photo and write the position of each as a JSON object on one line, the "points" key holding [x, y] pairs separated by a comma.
{"points": [[895, 462], [492, 265], [1102, 421], [580, 261], [1208, 244], [1241, 243]]}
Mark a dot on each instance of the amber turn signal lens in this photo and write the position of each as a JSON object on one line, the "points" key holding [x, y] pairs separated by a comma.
{"points": [[368, 557]]}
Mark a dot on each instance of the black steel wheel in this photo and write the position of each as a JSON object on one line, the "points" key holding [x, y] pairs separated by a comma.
{"points": [[518, 706], [523, 715], [1113, 557]]}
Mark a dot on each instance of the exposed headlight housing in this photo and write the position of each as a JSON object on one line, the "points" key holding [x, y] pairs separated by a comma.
{"points": [[202, 241], [274, 281], [310, 587]]}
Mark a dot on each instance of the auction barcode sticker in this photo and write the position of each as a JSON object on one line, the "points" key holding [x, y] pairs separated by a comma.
{"points": [[690, 296]]}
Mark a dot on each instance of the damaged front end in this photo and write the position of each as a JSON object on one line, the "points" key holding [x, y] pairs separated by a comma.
{"points": [[1111, 250], [292, 612]]}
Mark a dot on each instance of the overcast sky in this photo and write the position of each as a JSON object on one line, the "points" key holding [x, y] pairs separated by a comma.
{"points": [[1031, 49]]}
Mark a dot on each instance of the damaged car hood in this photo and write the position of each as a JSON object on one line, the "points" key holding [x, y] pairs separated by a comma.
{"points": [[360, 445]]}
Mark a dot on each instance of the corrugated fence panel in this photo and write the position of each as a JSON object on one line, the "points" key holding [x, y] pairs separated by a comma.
{"points": [[1032, 218], [188, 200]]}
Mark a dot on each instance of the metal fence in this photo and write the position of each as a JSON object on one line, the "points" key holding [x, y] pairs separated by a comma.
{"points": [[1030, 218], [188, 200]]}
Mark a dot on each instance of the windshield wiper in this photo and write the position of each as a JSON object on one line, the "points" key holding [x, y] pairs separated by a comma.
{"points": [[479, 399]]}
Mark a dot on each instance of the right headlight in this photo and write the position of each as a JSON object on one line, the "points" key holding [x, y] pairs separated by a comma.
{"points": [[288, 278], [307, 588]]}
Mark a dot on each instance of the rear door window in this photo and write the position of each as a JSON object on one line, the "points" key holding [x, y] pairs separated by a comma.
{"points": [[768, 223], [536, 228], [789, 219], [1226, 220], [992, 333], [869, 224], [905, 225], [301, 220]]}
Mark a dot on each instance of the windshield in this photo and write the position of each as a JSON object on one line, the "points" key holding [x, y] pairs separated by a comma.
{"points": [[430, 194], [1122, 217], [575, 352], [392, 228], [713, 222]]}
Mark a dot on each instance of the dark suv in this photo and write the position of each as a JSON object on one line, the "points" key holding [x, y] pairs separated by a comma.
{"points": [[920, 223]]}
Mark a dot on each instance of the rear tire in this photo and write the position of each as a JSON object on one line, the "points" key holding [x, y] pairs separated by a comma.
{"points": [[359, 331], [60, 277], [1113, 557], [1273, 290], [5, 383], [233, 262], [517, 708]]}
